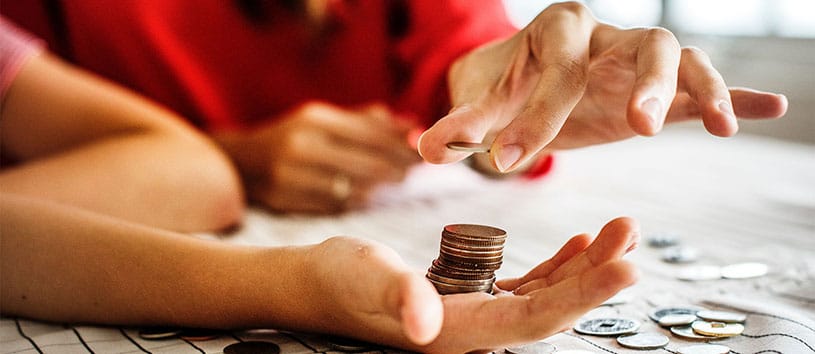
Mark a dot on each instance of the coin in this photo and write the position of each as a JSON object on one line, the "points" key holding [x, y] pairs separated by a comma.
{"points": [[717, 329], [154, 333], [676, 320], [468, 147], [663, 240], [687, 332], [680, 254], [348, 345], [607, 326], [199, 334], [703, 349], [252, 347], [532, 348], [643, 340], [722, 316], [660, 312], [468, 257], [699, 272], [744, 270]]}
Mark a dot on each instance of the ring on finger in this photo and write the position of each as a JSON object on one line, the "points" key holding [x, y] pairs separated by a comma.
{"points": [[341, 187]]}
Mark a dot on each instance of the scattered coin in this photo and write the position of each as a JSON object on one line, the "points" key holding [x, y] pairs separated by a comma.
{"points": [[469, 147], [687, 332], [744, 270], [199, 334], [722, 316], [660, 312], [663, 240], [607, 326], [469, 255], [680, 254], [703, 349], [154, 333], [676, 320], [252, 347], [717, 329], [532, 348], [699, 273], [348, 345], [643, 340]]}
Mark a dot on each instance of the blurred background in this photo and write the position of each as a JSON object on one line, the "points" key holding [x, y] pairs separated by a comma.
{"points": [[764, 44]]}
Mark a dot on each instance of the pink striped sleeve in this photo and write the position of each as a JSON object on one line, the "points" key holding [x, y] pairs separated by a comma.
{"points": [[16, 46]]}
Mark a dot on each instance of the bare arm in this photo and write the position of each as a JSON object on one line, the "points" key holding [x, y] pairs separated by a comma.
{"points": [[86, 142]]}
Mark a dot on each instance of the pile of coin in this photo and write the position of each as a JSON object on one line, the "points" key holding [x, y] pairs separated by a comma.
{"points": [[469, 255]]}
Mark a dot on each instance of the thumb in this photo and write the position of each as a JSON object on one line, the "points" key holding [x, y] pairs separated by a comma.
{"points": [[464, 123], [419, 308]]}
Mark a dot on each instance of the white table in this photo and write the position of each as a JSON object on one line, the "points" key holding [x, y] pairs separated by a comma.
{"points": [[737, 200]]}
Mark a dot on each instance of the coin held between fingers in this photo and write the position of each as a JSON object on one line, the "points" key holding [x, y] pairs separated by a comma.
{"points": [[341, 187]]}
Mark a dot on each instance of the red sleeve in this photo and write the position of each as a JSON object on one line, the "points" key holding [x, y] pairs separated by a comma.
{"points": [[440, 31]]}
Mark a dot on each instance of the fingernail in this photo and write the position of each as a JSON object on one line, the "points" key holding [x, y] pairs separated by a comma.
{"points": [[653, 108], [727, 109], [419, 143], [508, 156]]}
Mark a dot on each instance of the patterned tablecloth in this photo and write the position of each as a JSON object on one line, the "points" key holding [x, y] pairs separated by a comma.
{"points": [[736, 200]]}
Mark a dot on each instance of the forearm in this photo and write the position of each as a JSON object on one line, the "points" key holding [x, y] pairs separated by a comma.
{"points": [[148, 178], [67, 265]]}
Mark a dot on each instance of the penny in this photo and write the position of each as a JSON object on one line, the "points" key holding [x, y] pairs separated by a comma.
{"points": [[469, 255], [643, 340], [252, 347]]}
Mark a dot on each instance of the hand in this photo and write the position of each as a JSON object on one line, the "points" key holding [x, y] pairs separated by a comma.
{"points": [[367, 288], [321, 158], [568, 81]]}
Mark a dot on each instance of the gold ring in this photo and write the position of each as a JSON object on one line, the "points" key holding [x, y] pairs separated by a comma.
{"points": [[341, 187]]}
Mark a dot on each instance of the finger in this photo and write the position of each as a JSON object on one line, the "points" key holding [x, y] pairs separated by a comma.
{"points": [[614, 240], [465, 123], [510, 320], [356, 162], [308, 189], [707, 88], [747, 103], [574, 246], [419, 308], [381, 136], [564, 56], [658, 60]]}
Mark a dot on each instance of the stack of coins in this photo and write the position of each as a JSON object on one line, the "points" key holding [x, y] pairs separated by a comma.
{"points": [[468, 258]]}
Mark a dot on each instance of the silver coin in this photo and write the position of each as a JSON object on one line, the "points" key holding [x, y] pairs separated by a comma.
{"points": [[348, 345], [532, 348], [744, 270], [468, 147], [703, 349], [680, 254], [607, 326], [699, 273], [252, 347], [687, 332], [722, 316], [676, 320], [663, 240], [154, 333], [717, 329], [660, 312], [643, 340]]}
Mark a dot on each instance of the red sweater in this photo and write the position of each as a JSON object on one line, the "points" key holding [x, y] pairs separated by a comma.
{"points": [[211, 63]]}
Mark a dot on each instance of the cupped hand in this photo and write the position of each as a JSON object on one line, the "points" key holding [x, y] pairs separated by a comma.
{"points": [[367, 288], [568, 81], [321, 158]]}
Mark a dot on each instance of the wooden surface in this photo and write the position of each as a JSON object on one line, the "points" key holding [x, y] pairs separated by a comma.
{"points": [[736, 200]]}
